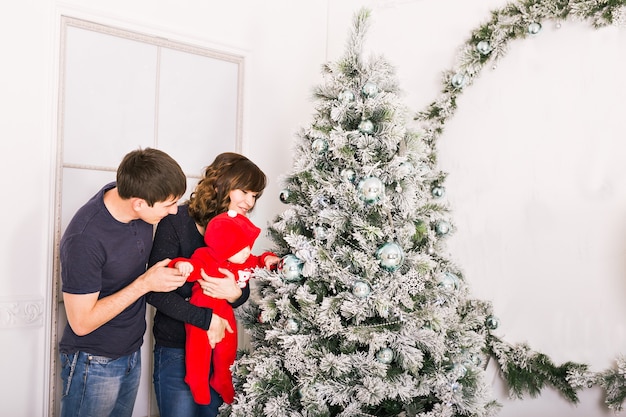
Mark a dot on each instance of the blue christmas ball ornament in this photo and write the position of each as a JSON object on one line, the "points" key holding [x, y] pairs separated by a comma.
{"points": [[320, 233], [390, 255], [442, 227], [319, 145], [483, 47], [348, 175], [371, 190], [346, 96], [370, 89], [449, 282], [446, 283], [534, 28], [292, 326], [284, 196], [366, 126], [385, 355], [361, 289], [492, 322], [438, 191], [455, 387], [291, 268], [458, 80]]}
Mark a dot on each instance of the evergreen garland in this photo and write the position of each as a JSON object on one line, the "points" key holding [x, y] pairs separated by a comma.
{"points": [[526, 371]]}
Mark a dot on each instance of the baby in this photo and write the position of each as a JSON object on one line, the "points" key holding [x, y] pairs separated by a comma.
{"points": [[229, 238]]}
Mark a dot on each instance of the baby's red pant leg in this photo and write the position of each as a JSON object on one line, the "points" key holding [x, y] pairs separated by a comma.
{"points": [[224, 356], [198, 363]]}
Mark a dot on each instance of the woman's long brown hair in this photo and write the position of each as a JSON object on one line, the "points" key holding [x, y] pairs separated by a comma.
{"points": [[229, 171]]}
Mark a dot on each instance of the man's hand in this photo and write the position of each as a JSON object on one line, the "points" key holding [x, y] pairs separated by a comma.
{"points": [[160, 278], [217, 330], [87, 312], [225, 288]]}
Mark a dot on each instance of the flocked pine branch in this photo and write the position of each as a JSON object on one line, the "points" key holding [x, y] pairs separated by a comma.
{"points": [[527, 372], [613, 381]]}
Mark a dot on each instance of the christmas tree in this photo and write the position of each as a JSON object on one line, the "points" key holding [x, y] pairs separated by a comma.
{"points": [[367, 315]]}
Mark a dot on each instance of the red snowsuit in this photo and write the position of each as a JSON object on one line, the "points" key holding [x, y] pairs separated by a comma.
{"points": [[224, 237]]}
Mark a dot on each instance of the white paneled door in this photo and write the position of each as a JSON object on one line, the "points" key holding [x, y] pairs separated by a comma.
{"points": [[120, 90]]}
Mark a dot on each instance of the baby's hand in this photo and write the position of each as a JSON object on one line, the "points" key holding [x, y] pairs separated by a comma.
{"points": [[271, 260], [185, 268]]}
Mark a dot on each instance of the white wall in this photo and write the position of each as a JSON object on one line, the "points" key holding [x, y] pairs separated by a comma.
{"points": [[26, 133], [563, 299]]}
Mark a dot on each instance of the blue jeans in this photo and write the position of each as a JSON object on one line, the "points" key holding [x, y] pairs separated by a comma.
{"points": [[96, 386], [172, 392]]}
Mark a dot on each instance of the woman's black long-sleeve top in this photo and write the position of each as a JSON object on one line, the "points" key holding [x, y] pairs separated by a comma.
{"points": [[177, 236]]}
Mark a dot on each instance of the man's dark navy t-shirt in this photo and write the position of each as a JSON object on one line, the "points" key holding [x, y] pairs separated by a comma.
{"points": [[101, 254]]}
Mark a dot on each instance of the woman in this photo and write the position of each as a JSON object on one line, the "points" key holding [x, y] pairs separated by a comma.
{"points": [[231, 182]]}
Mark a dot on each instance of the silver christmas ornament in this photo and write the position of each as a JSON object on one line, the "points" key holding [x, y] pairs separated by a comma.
{"points": [[455, 387], [366, 126], [290, 267], [348, 175], [284, 196], [320, 233], [449, 282], [346, 96], [442, 227], [292, 326], [319, 145], [385, 355], [370, 89], [492, 322], [361, 289], [371, 190], [483, 47], [390, 256], [534, 28], [458, 80], [438, 191]]}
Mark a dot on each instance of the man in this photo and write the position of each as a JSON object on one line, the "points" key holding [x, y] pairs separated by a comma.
{"points": [[104, 252]]}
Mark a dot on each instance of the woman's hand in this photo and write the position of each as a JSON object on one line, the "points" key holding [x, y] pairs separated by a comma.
{"points": [[217, 329], [225, 288]]}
